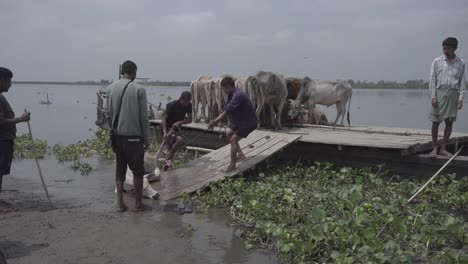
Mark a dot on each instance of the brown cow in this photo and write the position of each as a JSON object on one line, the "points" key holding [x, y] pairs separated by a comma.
{"points": [[294, 85]]}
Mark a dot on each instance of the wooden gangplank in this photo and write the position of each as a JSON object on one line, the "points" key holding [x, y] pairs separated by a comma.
{"points": [[257, 147]]}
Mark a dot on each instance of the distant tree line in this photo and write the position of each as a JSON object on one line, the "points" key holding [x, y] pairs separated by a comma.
{"points": [[107, 82], [410, 84]]}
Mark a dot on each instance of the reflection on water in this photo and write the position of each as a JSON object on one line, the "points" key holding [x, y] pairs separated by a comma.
{"points": [[73, 110]]}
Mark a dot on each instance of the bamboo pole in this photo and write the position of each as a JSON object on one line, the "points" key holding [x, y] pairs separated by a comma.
{"points": [[37, 164], [436, 174]]}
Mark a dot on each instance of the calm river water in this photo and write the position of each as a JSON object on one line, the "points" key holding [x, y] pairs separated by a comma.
{"points": [[73, 110]]}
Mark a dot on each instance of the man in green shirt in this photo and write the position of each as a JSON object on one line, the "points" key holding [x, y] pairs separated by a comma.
{"points": [[131, 133], [8, 123]]}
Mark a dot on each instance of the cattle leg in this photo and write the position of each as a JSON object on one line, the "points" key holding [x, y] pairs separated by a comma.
{"points": [[338, 110], [195, 112], [272, 116], [260, 104], [343, 113], [203, 111], [280, 112]]}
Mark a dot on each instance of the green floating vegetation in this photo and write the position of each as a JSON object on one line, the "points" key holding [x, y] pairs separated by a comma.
{"points": [[84, 167], [24, 147], [323, 213], [97, 145]]}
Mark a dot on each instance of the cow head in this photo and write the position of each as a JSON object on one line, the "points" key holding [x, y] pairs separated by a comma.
{"points": [[294, 107]]}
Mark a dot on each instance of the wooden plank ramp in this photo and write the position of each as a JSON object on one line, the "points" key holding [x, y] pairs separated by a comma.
{"points": [[257, 147]]}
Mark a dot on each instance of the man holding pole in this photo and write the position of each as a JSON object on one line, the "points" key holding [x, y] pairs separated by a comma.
{"points": [[446, 86], [8, 123]]}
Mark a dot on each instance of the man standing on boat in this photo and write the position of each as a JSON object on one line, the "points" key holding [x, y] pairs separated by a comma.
{"points": [[239, 108], [176, 114], [446, 86], [8, 123], [127, 105]]}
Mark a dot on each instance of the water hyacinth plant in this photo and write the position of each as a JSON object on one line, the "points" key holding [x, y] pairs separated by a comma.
{"points": [[323, 213]]}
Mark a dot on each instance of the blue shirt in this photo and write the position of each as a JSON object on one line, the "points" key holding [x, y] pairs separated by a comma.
{"points": [[240, 110]]}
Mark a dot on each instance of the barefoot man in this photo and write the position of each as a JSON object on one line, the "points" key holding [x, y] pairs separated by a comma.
{"points": [[244, 120], [8, 123], [447, 86], [176, 114], [128, 111]]}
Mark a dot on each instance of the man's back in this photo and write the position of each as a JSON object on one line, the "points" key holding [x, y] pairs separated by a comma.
{"points": [[7, 130], [133, 119]]}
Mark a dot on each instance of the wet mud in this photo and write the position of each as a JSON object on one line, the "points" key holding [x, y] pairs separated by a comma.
{"points": [[84, 227]]}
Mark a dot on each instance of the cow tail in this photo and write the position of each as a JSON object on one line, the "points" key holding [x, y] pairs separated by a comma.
{"points": [[349, 109]]}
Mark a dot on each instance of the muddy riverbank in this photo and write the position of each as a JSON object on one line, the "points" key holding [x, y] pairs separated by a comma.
{"points": [[84, 227]]}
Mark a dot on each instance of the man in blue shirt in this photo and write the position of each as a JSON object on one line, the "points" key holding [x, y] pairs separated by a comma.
{"points": [[239, 108]]}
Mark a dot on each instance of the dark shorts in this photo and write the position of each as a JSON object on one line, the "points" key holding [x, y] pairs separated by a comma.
{"points": [[129, 151], [171, 137], [6, 156], [244, 132]]}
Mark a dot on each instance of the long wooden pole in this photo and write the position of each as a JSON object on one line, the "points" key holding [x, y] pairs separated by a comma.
{"points": [[436, 174], [37, 164]]}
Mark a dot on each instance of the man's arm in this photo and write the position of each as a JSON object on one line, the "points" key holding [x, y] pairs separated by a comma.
{"points": [[433, 79], [187, 119], [219, 118], [109, 106], [23, 118], [462, 84]]}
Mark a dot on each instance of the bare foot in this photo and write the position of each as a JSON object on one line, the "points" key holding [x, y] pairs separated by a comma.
{"points": [[230, 168], [444, 152], [122, 208], [168, 165], [140, 208], [433, 153], [240, 157]]}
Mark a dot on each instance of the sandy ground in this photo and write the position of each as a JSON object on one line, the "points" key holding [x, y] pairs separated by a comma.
{"points": [[85, 228]]}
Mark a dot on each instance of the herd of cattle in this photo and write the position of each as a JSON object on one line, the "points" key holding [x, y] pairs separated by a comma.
{"points": [[274, 98]]}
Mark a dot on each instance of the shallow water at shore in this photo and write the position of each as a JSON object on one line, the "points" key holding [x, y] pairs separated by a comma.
{"points": [[83, 227]]}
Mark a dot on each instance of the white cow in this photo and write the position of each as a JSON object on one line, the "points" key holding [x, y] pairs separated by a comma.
{"points": [[220, 98], [252, 88], [199, 95], [324, 93], [274, 95]]}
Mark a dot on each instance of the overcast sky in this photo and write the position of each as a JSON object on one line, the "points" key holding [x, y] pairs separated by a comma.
{"points": [[181, 39]]}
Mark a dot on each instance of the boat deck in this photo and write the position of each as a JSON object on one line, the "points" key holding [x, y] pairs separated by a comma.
{"points": [[406, 141]]}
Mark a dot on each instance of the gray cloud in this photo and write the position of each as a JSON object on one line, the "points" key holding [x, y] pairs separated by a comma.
{"points": [[180, 39]]}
